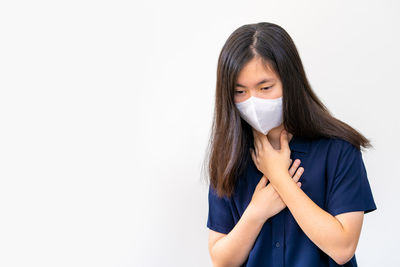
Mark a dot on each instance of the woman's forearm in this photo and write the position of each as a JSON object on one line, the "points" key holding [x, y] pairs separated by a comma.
{"points": [[323, 229], [234, 248]]}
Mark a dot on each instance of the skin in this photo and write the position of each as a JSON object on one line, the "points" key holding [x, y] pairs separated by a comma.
{"points": [[336, 235], [232, 249]]}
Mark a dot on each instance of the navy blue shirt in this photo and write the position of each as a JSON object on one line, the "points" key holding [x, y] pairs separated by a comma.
{"points": [[334, 178]]}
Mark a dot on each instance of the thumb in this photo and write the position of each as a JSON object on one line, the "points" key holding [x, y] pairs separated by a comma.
{"points": [[261, 184], [284, 141]]}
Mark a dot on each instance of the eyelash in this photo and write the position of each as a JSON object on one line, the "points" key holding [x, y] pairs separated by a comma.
{"points": [[237, 92]]}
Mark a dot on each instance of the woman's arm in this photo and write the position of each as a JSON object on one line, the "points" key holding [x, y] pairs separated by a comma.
{"points": [[323, 229], [234, 248], [336, 236]]}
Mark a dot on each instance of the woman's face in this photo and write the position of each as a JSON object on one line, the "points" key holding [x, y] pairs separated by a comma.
{"points": [[256, 79]]}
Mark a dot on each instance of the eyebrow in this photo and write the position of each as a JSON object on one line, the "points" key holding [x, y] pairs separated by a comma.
{"points": [[260, 82]]}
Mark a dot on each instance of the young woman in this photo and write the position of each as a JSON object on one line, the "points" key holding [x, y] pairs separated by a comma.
{"points": [[288, 185]]}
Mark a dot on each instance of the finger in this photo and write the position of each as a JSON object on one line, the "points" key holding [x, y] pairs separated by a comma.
{"points": [[266, 179], [299, 184], [290, 162], [257, 143], [253, 155], [299, 172], [255, 150], [265, 142], [294, 167], [261, 184], [284, 141]]}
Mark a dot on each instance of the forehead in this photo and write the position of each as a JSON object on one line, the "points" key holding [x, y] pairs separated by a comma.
{"points": [[254, 71]]}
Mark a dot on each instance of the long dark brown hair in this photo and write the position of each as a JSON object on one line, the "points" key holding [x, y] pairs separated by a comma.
{"points": [[303, 113]]}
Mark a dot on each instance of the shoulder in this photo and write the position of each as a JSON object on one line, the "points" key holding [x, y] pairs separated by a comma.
{"points": [[332, 152], [343, 149], [334, 145], [341, 157]]}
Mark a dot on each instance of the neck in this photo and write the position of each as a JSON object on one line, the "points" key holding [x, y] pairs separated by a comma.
{"points": [[274, 136]]}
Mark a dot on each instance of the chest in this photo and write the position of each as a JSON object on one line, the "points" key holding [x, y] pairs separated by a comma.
{"points": [[314, 181]]}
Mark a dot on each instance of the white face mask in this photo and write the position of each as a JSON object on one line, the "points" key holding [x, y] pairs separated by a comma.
{"points": [[262, 114]]}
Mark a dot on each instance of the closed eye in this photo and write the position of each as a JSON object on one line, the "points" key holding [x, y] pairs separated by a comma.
{"points": [[239, 91]]}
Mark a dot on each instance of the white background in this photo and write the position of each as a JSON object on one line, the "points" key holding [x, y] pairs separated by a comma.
{"points": [[106, 107]]}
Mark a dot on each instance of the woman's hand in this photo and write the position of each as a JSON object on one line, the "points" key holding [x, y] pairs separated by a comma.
{"points": [[266, 202], [272, 163]]}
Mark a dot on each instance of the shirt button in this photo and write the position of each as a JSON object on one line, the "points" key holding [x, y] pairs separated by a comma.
{"points": [[277, 244]]}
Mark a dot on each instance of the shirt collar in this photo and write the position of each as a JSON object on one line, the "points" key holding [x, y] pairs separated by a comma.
{"points": [[299, 144]]}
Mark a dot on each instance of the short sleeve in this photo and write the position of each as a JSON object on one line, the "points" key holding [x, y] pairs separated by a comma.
{"points": [[220, 218], [350, 189]]}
